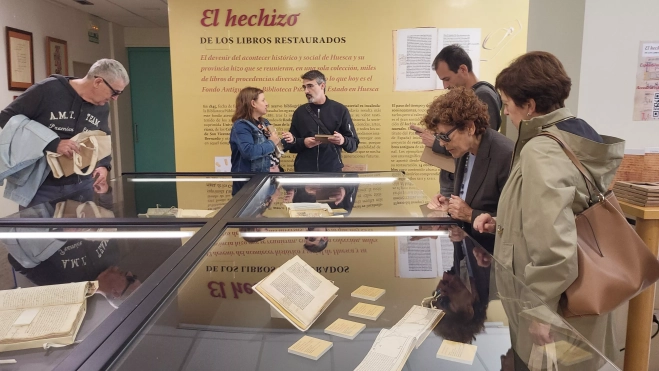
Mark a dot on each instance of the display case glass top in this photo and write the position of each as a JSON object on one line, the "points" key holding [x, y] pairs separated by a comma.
{"points": [[142, 196], [214, 319], [366, 195], [121, 260]]}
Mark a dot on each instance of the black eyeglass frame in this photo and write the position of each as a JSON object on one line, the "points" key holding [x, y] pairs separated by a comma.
{"points": [[446, 137], [129, 281], [115, 93]]}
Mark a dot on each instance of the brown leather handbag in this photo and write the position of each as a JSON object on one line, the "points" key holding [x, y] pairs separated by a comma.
{"points": [[614, 263]]}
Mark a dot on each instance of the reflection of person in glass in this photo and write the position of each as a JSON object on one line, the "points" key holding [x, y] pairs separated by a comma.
{"points": [[342, 197], [253, 142], [315, 243], [464, 312], [52, 262], [464, 292]]}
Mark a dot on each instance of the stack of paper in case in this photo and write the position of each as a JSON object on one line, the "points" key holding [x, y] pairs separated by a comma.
{"points": [[637, 193], [47, 315], [297, 292], [392, 347]]}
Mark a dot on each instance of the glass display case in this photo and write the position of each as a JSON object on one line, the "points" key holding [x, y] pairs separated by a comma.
{"points": [[146, 196], [121, 259], [197, 308]]}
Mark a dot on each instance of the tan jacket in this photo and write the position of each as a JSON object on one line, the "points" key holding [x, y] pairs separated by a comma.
{"points": [[93, 145], [536, 234]]}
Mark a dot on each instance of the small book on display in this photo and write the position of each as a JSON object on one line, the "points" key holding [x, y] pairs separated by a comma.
{"points": [[297, 292], [43, 316], [310, 347], [366, 311], [368, 293], [345, 329]]}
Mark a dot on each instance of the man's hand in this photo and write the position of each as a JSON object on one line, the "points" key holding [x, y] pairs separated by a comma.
{"points": [[67, 147], [288, 198], [427, 137], [337, 139], [459, 209], [288, 138], [438, 203], [310, 142], [337, 195], [456, 234], [483, 258], [485, 223], [101, 175]]}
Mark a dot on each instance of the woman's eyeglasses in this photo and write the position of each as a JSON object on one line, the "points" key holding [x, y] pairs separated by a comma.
{"points": [[446, 137]]}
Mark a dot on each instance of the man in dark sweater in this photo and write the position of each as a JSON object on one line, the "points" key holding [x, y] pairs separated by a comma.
{"points": [[453, 66], [320, 116], [69, 106]]}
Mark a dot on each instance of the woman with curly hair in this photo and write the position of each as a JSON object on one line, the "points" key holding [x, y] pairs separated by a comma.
{"points": [[460, 122]]}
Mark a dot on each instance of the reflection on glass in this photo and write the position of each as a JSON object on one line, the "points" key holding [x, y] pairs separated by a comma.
{"points": [[135, 196], [497, 40], [339, 195]]}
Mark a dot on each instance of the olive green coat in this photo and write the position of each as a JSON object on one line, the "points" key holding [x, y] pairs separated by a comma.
{"points": [[536, 236]]}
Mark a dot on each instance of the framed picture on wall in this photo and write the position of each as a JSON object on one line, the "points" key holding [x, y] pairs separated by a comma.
{"points": [[20, 59], [58, 60]]}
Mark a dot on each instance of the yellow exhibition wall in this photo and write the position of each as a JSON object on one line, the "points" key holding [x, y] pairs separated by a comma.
{"points": [[218, 48]]}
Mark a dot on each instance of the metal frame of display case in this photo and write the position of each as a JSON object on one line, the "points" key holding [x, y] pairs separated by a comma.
{"points": [[107, 340]]}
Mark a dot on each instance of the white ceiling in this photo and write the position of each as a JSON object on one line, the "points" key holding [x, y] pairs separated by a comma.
{"points": [[128, 13]]}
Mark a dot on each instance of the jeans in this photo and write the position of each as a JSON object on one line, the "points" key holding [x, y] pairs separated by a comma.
{"points": [[84, 191]]}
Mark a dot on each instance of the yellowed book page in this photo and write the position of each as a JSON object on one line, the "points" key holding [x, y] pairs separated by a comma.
{"points": [[368, 293], [49, 321], [388, 353], [457, 352], [36, 297], [310, 347], [299, 289], [283, 311], [319, 213], [345, 328], [418, 322], [368, 311]]}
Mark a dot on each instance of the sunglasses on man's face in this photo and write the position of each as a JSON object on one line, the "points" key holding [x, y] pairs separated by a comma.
{"points": [[115, 93], [445, 137]]}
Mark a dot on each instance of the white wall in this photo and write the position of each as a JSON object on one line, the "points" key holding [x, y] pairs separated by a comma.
{"points": [[556, 26], [44, 18], [612, 32]]}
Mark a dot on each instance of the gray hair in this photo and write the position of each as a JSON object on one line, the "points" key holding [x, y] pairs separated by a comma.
{"points": [[314, 75], [110, 70]]}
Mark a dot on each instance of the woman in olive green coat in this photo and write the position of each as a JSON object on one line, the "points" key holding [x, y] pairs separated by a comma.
{"points": [[536, 236]]}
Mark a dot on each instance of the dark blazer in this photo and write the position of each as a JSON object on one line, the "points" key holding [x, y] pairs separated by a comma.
{"points": [[489, 175]]}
